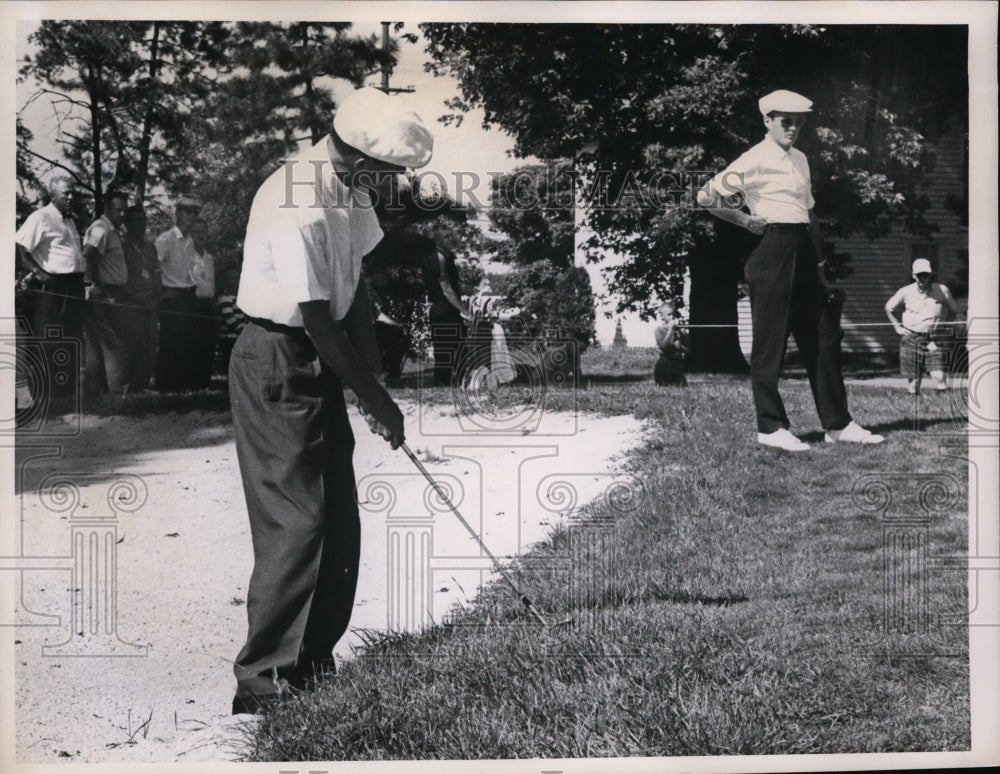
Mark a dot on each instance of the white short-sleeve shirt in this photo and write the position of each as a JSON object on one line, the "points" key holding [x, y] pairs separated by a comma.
{"points": [[52, 240], [177, 258], [921, 311], [774, 182], [306, 236]]}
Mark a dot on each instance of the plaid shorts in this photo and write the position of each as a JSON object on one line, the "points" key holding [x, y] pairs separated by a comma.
{"points": [[914, 357]]}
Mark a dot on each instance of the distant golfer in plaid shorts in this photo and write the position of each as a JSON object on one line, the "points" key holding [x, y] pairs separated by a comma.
{"points": [[925, 305]]}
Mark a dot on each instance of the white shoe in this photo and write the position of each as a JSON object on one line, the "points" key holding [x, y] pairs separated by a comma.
{"points": [[853, 433], [913, 387], [782, 439]]}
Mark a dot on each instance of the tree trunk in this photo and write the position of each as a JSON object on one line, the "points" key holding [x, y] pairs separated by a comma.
{"points": [[147, 123], [93, 92], [714, 293]]}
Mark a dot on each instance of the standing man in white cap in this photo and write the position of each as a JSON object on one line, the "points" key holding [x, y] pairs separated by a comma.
{"points": [[787, 290], [310, 225], [925, 304]]}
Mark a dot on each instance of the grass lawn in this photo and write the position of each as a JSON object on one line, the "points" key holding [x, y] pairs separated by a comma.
{"points": [[746, 601]]}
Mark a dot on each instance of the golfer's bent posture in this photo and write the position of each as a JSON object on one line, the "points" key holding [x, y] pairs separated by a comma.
{"points": [[787, 292], [310, 225]]}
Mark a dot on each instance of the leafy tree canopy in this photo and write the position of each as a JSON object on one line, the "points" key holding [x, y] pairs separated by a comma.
{"points": [[647, 112]]}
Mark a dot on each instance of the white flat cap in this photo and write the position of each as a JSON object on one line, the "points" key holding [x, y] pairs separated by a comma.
{"points": [[785, 102], [381, 127], [922, 265]]}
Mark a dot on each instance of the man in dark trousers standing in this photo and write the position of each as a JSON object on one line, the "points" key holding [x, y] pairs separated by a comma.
{"points": [[178, 343], [787, 290], [310, 225]]}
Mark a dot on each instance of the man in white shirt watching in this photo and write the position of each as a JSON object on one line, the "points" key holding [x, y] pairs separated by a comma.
{"points": [[310, 225], [787, 290], [48, 241]]}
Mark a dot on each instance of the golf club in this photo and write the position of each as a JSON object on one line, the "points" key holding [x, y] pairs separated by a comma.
{"points": [[440, 491]]}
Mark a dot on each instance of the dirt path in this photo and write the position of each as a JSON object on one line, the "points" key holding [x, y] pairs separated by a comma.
{"points": [[154, 683]]}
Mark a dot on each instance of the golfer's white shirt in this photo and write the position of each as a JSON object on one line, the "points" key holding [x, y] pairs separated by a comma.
{"points": [[774, 182], [306, 237], [52, 240]]}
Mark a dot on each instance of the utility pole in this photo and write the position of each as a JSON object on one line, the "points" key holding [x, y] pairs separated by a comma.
{"points": [[386, 70]]}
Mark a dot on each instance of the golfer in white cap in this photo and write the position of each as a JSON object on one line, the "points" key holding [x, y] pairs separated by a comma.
{"points": [[787, 290], [310, 225], [925, 305]]}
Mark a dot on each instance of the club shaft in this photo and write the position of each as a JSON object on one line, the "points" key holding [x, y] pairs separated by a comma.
{"points": [[447, 501]]}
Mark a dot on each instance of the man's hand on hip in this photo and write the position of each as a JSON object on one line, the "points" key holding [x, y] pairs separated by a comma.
{"points": [[755, 224]]}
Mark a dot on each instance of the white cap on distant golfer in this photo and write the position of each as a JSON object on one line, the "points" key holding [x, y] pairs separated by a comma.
{"points": [[188, 203], [784, 101], [381, 127], [922, 266]]}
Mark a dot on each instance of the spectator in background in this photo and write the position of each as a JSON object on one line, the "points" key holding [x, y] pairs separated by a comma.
{"points": [[231, 319], [178, 303], [925, 305], [142, 297], [104, 318], [203, 323], [48, 246], [669, 368], [448, 315]]}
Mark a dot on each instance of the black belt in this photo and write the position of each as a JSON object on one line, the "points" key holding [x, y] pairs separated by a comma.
{"points": [[273, 327], [787, 227]]}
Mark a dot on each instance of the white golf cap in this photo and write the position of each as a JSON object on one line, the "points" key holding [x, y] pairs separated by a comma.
{"points": [[381, 127], [784, 102], [921, 266]]}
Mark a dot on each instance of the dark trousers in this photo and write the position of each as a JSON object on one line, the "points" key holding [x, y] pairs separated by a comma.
{"points": [[295, 446], [447, 333], [107, 357], [140, 330], [204, 327], [176, 358], [58, 303], [786, 296]]}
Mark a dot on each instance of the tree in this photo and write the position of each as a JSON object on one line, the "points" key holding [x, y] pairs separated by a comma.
{"points": [[648, 112], [121, 88], [29, 188], [192, 108], [534, 208]]}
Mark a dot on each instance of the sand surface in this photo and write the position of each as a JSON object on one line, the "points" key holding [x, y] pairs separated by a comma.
{"points": [[159, 508]]}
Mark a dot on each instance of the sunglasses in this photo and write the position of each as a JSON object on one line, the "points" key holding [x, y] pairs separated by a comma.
{"points": [[787, 122], [922, 274]]}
